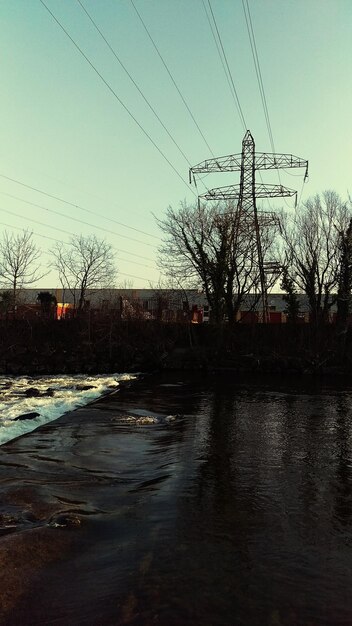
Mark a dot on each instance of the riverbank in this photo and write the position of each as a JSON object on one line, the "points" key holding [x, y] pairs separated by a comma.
{"points": [[107, 345]]}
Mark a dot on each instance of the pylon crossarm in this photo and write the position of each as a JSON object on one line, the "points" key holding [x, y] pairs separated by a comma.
{"points": [[222, 193], [263, 161], [263, 190], [268, 161], [229, 163], [232, 192]]}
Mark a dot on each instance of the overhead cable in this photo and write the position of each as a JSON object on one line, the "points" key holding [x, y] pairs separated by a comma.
{"points": [[67, 232], [132, 276], [113, 92], [229, 73], [171, 77], [258, 72], [76, 219], [77, 206], [252, 41], [133, 81], [219, 51], [34, 233], [66, 243]]}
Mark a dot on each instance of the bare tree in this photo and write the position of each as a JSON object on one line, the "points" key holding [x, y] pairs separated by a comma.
{"points": [[204, 247], [193, 252], [86, 262], [311, 250], [19, 265]]}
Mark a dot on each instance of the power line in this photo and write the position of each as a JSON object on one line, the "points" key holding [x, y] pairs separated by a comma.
{"points": [[134, 82], [67, 243], [76, 219], [229, 73], [257, 69], [29, 219], [117, 97], [136, 263], [300, 195], [252, 41], [132, 276], [76, 206], [34, 233], [171, 77], [136, 86], [229, 76], [290, 173], [66, 232], [219, 51], [60, 241]]}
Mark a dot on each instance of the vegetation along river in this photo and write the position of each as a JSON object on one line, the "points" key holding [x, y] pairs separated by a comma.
{"points": [[232, 506]]}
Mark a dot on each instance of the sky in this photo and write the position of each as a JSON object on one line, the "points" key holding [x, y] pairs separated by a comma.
{"points": [[87, 136]]}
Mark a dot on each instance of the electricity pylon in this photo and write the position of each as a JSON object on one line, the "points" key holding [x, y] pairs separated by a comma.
{"points": [[246, 193]]}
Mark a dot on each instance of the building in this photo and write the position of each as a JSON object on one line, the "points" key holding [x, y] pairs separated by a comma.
{"points": [[166, 305]]}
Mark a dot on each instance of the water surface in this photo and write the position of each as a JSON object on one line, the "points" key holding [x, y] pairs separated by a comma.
{"points": [[236, 512]]}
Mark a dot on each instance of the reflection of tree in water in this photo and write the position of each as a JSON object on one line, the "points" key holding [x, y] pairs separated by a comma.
{"points": [[245, 534], [311, 467], [216, 517], [318, 456], [220, 503], [263, 503], [343, 487]]}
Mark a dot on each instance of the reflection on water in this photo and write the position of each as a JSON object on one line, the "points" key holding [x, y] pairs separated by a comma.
{"points": [[238, 513], [259, 526]]}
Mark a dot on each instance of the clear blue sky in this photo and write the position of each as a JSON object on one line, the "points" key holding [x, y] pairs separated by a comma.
{"points": [[63, 131]]}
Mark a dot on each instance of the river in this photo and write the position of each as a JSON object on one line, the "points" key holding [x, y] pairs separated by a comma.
{"points": [[232, 507]]}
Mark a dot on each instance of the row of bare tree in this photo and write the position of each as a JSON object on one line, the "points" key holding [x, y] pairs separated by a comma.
{"points": [[310, 249], [86, 262], [205, 247]]}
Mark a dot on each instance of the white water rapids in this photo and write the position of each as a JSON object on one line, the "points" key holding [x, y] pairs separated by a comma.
{"points": [[66, 396]]}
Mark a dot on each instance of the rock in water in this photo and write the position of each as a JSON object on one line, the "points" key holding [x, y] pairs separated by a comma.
{"points": [[32, 392], [147, 420], [26, 416], [64, 520]]}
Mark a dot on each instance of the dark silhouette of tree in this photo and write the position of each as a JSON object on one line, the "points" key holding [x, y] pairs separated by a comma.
{"points": [[345, 278], [290, 296], [6, 303], [204, 248], [48, 303]]}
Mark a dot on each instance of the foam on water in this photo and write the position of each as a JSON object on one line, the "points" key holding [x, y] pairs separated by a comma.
{"points": [[66, 397]]}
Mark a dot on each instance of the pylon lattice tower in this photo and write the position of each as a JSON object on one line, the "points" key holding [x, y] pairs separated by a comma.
{"points": [[248, 162]]}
